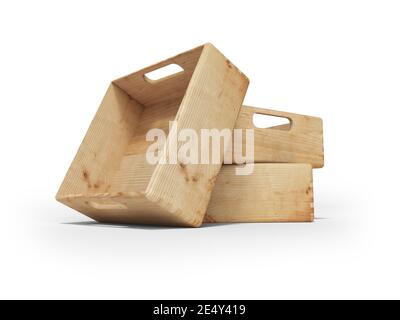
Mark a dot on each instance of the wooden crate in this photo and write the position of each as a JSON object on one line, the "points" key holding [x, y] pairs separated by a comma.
{"points": [[106, 180], [273, 193], [300, 141]]}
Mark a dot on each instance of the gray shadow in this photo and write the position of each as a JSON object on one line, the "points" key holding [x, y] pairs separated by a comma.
{"points": [[138, 226]]}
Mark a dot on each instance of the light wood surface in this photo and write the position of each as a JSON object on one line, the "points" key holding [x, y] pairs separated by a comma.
{"points": [[208, 94], [275, 192], [299, 142]]}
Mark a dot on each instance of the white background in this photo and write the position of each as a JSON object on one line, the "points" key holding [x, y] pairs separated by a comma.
{"points": [[339, 60]]}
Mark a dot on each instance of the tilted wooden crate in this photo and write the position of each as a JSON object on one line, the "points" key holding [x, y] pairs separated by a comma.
{"points": [[106, 180]]}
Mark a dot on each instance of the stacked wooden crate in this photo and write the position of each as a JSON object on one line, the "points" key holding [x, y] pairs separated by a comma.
{"points": [[111, 180]]}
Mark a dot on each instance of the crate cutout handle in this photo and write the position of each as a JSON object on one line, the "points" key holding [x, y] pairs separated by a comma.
{"points": [[263, 120], [164, 73], [107, 206]]}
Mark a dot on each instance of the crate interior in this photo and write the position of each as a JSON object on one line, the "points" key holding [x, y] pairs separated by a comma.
{"points": [[159, 102], [112, 157], [134, 171]]}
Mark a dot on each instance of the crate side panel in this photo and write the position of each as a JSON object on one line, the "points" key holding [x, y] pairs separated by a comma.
{"points": [[273, 193], [123, 208], [212, 101], [150, 93], [302, 143]]}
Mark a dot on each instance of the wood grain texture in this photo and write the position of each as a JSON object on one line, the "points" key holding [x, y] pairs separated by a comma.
{"points": [[273, 193], [110, 180], [103, 147], [299, 142], [212, 101]]}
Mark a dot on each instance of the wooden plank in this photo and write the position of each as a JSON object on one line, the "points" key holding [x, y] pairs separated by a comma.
{"points": [[299, 142], [273, 193]]}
